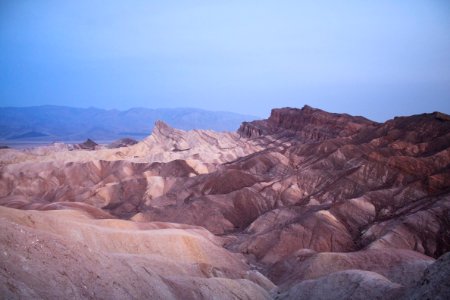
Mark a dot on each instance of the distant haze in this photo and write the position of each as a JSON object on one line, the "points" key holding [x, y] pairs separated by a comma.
{"points": [[372, 58], [59, 123]]}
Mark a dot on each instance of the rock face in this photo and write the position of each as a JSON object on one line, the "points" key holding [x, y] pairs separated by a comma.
{"points": [[308, 124], [311, 199]]}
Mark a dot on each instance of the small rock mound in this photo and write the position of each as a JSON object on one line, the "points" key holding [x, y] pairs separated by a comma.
{"points": [[87, 145], [351, 284], [125, 142]]}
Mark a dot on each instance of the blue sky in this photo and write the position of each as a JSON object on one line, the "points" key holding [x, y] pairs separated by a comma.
{"points": [[373, 58]]}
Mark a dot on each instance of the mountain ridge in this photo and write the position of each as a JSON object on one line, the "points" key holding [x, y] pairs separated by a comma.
{"points": [[314, 203], [52, 122]]}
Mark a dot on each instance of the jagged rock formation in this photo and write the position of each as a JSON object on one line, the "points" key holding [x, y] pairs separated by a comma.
{"points": [[307, 196], [379, 187], [307, 124], [120, 182], [165, 144]]}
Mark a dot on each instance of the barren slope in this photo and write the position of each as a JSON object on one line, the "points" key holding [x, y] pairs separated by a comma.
{"points": [[306, 196], [80, 257]]}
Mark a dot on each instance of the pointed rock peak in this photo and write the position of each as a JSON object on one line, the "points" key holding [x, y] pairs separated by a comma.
{"points": [[441, 116], [162, 128], [306, 107], [90, 142], [87, 145], [161, 125]]}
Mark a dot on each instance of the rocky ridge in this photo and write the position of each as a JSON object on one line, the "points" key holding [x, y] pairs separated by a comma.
{"points": [[309, 198]]}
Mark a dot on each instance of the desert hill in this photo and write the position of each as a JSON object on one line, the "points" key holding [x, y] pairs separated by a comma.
{"points": [[304, 204]]}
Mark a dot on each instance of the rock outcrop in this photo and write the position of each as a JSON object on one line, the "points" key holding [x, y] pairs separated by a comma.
{"points": [[308, 124]]}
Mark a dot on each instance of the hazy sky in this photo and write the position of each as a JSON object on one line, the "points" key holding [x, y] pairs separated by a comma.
{"points": [[372, 58]]}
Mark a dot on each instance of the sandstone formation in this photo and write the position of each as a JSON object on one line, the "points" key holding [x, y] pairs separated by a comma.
{"points": [[309, 198]]}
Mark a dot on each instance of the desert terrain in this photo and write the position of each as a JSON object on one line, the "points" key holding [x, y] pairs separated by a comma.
{"points": [[306, 204]]}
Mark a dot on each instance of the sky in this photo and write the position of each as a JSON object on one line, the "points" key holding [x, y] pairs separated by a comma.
{"points": [[378, 59]]}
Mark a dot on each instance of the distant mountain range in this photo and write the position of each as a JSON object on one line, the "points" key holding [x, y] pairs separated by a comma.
{"points": [[67, 123]]}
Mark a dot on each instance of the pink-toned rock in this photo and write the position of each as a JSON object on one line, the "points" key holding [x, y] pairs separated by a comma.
{"points": [[60, 254], [307, 196]]}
